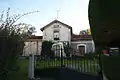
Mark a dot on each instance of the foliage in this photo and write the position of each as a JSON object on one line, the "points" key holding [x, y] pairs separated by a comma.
{"points": [[83, 32], [68, 49], [89, 31], [104, 22], [11, 41], [92, 55], [46, 48]]}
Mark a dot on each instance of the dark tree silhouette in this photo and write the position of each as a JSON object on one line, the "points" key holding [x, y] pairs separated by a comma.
{"points": [[104, 19], [47, 48]]}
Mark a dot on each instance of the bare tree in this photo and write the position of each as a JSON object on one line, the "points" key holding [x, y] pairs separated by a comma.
{"points": [[12, 39]]}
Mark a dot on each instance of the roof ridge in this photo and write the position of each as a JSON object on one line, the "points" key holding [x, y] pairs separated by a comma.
{"points": [[54, 21]]}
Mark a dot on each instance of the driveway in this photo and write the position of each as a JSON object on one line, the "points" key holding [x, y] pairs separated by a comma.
{"points": [[64, 74]]}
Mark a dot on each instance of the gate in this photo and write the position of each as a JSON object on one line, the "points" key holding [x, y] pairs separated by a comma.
{"points": [[85, 64]]}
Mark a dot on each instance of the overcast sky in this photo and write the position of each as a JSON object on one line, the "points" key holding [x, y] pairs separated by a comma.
{"points": [[71, 12]]}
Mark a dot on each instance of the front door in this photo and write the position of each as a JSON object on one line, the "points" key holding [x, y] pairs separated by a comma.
{"points": [[81, 50]]}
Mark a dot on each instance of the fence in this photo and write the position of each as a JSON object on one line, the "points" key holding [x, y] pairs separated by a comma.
{"points": [[84, 64]]}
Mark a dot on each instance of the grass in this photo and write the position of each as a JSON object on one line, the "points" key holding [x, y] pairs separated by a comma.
{"points": [[22, 74]]}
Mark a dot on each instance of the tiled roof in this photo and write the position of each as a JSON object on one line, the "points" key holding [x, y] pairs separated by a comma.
{"points": [[81, 37], [36, 37]]}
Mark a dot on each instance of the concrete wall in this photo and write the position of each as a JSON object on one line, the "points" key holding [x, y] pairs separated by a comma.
{"points": [[32, 46]]}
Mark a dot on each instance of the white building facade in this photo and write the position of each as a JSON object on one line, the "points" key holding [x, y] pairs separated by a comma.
{"points": [[57, 31], [61, 34]]}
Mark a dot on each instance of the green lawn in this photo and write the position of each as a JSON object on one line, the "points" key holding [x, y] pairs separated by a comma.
{"points": [[22, 73]]}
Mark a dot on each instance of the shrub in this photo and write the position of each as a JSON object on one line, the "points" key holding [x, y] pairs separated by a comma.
{"points": [[68, 49], [46, 48]]}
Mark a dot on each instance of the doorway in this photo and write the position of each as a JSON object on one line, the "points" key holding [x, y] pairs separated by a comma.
{"points": [[81, 50]]}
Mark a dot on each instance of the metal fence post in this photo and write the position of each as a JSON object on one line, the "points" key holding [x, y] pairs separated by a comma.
{"points": [[61, 58]]}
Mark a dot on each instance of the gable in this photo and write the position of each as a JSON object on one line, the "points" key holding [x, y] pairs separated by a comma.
{"points": [[56, 21]]}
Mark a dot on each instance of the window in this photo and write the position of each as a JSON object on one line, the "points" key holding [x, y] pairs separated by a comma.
{"points": [[56, 34], [56, 31], [56, 26]]}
